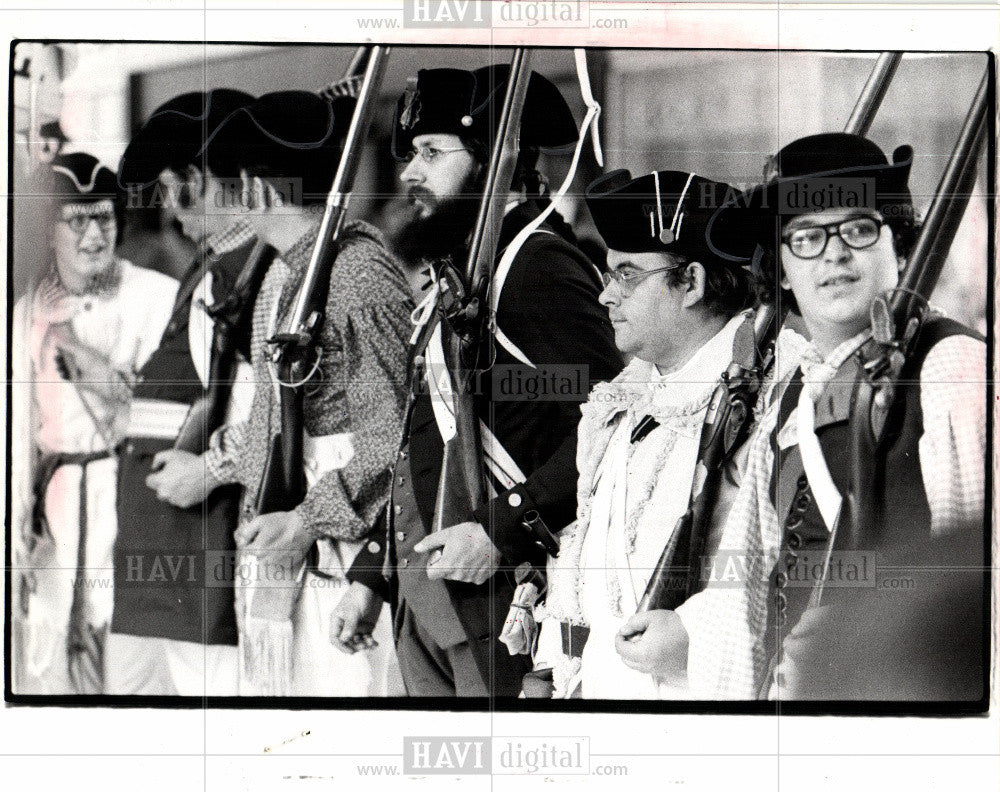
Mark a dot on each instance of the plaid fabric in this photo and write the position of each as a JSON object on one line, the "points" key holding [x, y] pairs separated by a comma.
{"points": [[725, 622], [239, 233]]}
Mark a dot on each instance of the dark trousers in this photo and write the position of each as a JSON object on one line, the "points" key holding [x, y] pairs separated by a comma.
{"points": [[468, 669]]}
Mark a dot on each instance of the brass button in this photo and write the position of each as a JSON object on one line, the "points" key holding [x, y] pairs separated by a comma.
{"points": [[404, 563], [400, 480], [794, 520], [803, 482], [803, 501], [514, 500], [791, 561], [794, 540], [402, 454], [374, 547], [398, 509], [400, 536], [781, 580]]}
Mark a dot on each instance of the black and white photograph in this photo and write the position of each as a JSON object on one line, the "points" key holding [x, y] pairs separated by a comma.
{"points": [[500, 393]]}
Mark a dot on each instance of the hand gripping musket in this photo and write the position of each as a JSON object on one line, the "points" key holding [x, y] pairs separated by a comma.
{"points": [[897, 319], [294, 350], [461, 487], [727, 425], [729, 415]]}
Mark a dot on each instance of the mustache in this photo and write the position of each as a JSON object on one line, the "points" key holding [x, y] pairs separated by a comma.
{"points": [[415, 191]]}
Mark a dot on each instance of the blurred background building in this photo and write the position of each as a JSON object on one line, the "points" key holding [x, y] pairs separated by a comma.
{"points": [[720, 113]]}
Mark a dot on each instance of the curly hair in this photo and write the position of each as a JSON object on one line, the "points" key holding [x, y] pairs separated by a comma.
{"points": [[729, 288]]}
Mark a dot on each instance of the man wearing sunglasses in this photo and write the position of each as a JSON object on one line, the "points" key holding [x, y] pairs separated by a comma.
{"points": [[677, 290], [450, 602], [771, 635]]}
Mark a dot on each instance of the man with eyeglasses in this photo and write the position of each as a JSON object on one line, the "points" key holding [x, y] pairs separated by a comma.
{"points": [[677, 292], [78, 339], [769, 636], [452, 589]]}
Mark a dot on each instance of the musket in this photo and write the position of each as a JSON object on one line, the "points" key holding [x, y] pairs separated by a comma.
{"points": [[898, 317], [229, 316], [728, 419], [293, 351], [462, 487]]}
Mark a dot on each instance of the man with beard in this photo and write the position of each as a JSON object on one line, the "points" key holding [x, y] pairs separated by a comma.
{"points": [[174, 633], [78, 338], [451, 589]]}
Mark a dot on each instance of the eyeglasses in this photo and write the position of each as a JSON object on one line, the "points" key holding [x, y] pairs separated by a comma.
{"points": [[79, 223], [430, 153], [628, 279], [855, 232]]}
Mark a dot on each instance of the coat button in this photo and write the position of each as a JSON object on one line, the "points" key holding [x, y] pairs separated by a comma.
{"points": [[781, 580], [402, 454], [404, 562], [803, 482], [374, 547], [791, 561], [794, 520], [514, 500], [400, 480], [400, 536], [398, 509], [803, 501], [794, 540]]}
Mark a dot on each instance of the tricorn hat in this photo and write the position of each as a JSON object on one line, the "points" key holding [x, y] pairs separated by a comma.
{"points": [[833, 170], [469, 103], [671, 212], [292, 135], [176, 135], [81, 178]]}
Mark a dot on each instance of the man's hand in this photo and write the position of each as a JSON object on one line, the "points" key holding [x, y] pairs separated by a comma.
{"points": [[276, 531], [180, 478], [354, 619], [655, 642], [466, 554]]}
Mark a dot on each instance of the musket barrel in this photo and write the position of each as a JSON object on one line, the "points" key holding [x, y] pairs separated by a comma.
{"points": [[873, 93], [336, 204], [501, 173], [946, 211]]}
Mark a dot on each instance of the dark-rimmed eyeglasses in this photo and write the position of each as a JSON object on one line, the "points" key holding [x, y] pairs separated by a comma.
{"points": [[855, 232], [629, 278]]}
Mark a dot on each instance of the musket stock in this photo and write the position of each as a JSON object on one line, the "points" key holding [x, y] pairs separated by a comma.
{"points": [[461, 487], [875, 389], [293, 350]]}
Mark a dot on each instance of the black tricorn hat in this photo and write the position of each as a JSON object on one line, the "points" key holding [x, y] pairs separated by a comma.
{"points": [[671, 212], [833, 170], [293, 135], [468, 104], [81, 178], [176, 135]]}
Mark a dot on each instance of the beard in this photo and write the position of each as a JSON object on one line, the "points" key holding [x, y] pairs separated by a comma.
{"points": [[444, 232]]}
